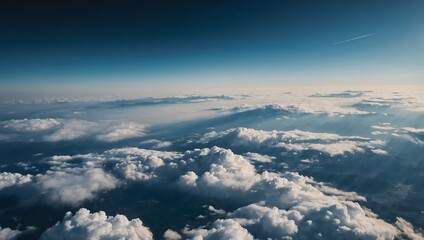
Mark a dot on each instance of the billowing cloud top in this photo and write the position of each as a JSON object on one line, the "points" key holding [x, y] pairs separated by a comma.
{"points": [[97, 226]]}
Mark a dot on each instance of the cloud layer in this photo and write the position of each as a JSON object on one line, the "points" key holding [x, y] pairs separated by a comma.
{"points": [[271, 204], [248, 195]]}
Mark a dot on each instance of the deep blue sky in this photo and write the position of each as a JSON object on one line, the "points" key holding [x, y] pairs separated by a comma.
{"points": [[58, 44]]}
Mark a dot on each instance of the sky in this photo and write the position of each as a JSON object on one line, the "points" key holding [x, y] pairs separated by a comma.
{"points": [[96, 46]]}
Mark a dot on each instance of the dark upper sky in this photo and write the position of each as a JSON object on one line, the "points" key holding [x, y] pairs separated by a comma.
{"points": [[53, 43]]}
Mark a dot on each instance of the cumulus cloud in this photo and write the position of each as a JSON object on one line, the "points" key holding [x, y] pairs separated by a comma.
{"points": [[73, 182], [10, 179], [73, 185], [31, 125], [383, 127], [407, 229], [8, 234], [293, 140], [171, 235], [338, 148], [291, 203], [299, 105], [139, 164], [97, 226], [258, 157], [71, 129], [53, 130], [267, 108], [122, 131], [379, 151], [216, 211], [309, 161], [156, 143], [221, 229], [413, 130], [163, 144], [218, 170], [273, 221], [344, 220], [61, 158]]}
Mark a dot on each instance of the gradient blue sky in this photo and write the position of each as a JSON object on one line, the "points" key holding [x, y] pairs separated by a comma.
{"points": [[53, 45]]}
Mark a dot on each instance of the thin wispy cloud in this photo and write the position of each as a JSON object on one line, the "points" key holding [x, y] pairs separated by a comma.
{"points": [[355, 38]]}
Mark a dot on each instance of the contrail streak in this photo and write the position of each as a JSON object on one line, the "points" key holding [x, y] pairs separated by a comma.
{"points": [[355, 38]]}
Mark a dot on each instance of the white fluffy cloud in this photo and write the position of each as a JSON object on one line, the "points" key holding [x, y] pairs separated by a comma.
{"points": [[64, 183], [384, 127], [53, 130], [122, 131], [163, 144], [258, 157], [74, 182], [61, 158], [273, 221], [97, 226], [338, 148], [171, 235], [70, 130], [413, 130], [157, 144], [139, 164], [221, 229], [8, 234], [300, 104], [215, 211], [379, 151], [217, 171], [337, 220], [73, 185], [31, 125], [294, 140], [407, 229], [9, 179]]}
